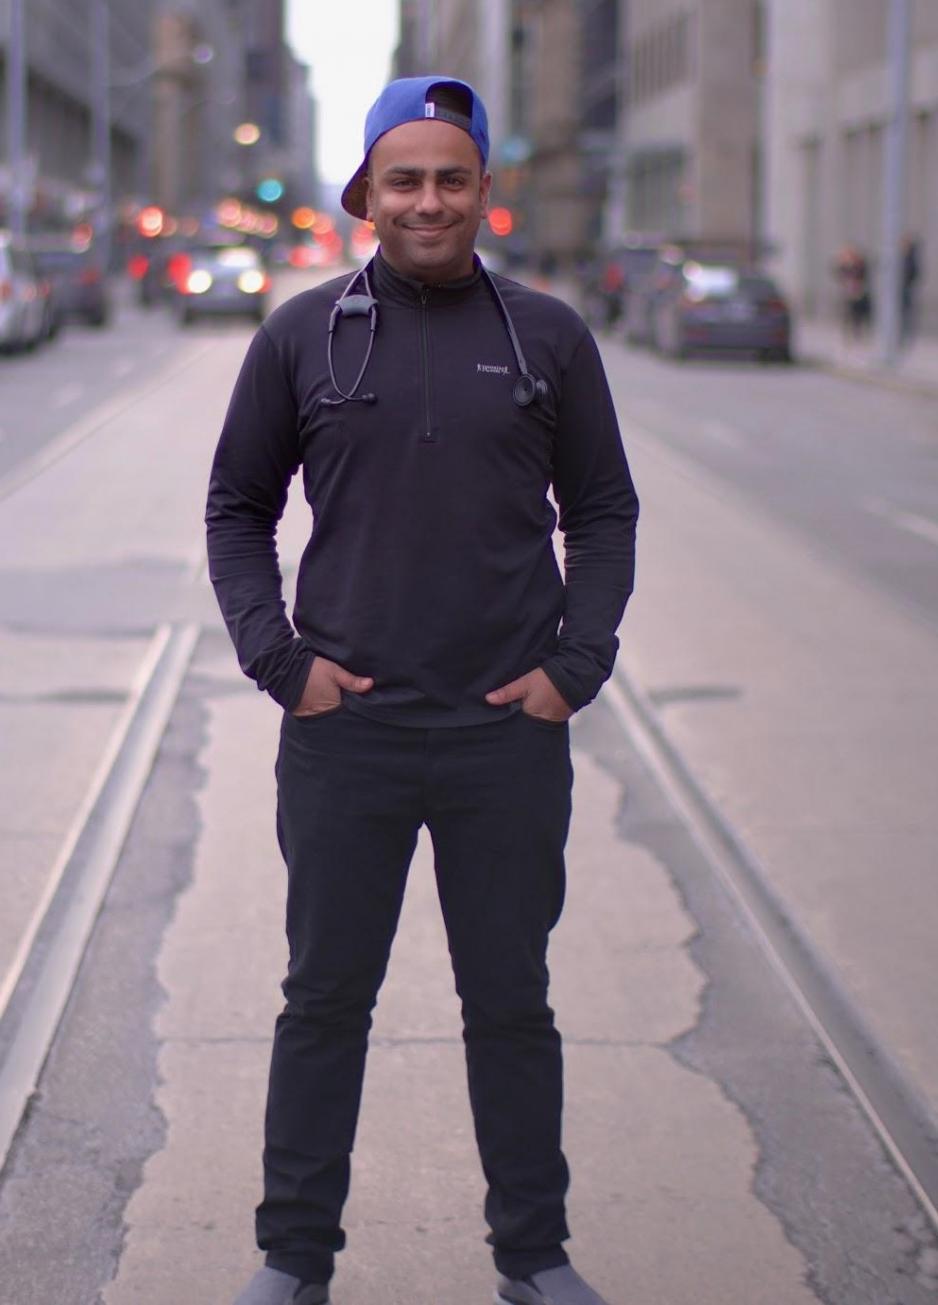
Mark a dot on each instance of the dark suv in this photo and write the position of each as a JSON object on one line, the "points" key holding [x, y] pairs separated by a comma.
{"points": [[77, 275]]}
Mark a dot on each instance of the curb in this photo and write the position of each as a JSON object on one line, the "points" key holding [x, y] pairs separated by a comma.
{"points": [[870, 376]]}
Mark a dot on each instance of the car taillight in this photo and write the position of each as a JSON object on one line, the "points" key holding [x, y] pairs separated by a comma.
{"points": [[89, 276], [775, 305], [6, 290], [178, 268], [137, 266]]}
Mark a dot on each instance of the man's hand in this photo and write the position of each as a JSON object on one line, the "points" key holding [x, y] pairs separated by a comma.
{"points": [[537, 696], [324, 686]]}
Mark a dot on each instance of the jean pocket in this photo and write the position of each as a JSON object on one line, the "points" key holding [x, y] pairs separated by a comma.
{"points": [[544, 721], [312, 717]]}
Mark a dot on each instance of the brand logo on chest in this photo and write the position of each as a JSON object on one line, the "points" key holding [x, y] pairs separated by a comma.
{"points": [[492, 369]]}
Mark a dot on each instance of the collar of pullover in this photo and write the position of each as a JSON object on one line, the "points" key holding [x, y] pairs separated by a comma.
{"points": [[391, 287]]}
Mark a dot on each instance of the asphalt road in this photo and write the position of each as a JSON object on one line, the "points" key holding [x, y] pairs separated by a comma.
{"points": [[783, 635]]}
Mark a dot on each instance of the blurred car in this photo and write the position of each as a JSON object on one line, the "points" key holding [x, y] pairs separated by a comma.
{"points": [[23, 297], [79, 285], [154, 268], [221, 280], [613, 276], [719, 306]]}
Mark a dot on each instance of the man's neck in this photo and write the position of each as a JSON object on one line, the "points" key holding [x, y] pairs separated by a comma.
{"points": [[430, 282]]}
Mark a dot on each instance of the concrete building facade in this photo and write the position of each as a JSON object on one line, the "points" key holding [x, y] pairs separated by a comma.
{"points": [[826, 108], [691, 125], [61, 89]]}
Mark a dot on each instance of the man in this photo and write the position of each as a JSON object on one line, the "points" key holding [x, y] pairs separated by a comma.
{"points": [[434, 660]]}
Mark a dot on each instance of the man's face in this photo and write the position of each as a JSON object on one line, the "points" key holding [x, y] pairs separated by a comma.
{"points": [[426, 197]]}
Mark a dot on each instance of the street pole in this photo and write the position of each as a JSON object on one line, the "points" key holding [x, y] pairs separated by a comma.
{"points": [[101, 127], [16, 118], [889, 306]]}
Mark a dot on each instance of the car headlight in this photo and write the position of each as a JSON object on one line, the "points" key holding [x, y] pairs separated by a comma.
{"points": [[251, 282], [198, 282]]}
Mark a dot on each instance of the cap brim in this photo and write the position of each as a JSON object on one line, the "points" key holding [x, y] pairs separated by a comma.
{"points": [[355, 194]]}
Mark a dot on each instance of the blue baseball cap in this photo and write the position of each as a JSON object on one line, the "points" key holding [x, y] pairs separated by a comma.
{"points": [[410, 99]]}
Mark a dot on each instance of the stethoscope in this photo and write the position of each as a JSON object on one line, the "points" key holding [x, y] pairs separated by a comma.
{"points": [[525, 390]]}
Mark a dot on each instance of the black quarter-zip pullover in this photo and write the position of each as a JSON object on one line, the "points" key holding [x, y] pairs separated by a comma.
{"points": [[430, 564]]}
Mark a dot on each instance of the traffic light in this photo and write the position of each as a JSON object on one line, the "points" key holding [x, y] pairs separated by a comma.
{"points": [[270, 190]]}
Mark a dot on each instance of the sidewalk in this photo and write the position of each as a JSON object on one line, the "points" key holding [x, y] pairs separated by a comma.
{"points": [[821, 343]]}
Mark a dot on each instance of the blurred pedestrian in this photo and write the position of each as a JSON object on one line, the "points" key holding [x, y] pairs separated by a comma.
{"points": [[911, 273], [851, 271], [435, 659]]}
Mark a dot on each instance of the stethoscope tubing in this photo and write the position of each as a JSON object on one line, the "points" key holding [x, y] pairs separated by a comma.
{"points": [[525, 390]]}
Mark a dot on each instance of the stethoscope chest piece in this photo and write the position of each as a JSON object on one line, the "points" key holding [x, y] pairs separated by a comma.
{"points": [[526, 389]]}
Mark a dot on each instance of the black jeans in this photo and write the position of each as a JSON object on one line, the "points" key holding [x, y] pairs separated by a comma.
{"points": [[352, 795]]}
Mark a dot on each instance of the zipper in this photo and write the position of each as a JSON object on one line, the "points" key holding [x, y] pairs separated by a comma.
{"points": [[428, 436]]}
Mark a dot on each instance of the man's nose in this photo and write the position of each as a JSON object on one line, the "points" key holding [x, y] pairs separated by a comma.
{"points": [[429, 199]]}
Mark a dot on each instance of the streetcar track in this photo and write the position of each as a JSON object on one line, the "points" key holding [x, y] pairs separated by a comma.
{"points": [[36, 990], [902, 1120]]}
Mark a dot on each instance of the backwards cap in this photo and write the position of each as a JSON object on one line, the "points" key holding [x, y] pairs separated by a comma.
{"points": [[410, 99]]}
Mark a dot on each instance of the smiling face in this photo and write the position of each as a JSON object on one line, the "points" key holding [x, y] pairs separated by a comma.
{"points": [[426, 197]]}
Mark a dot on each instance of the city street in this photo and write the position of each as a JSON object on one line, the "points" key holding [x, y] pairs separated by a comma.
{"points": [[745, 971]]}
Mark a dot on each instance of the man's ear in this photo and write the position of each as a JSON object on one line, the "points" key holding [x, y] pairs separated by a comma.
{"points": [[484, 192], [369, 205]]}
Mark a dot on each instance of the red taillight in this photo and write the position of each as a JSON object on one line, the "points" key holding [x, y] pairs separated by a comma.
{"points": [[6, 290], [775, 305], [178, 268], [267, 284], [89, 276], [137, 266]]}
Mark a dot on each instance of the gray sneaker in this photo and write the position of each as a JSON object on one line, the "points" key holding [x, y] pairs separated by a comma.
{"points": [[271, 1287], [562, 1286]]}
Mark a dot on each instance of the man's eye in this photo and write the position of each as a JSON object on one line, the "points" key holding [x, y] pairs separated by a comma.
{"points": [[454, 182]]}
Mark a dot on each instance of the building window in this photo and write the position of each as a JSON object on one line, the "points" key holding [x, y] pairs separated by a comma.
{"points": [[660, 59]]}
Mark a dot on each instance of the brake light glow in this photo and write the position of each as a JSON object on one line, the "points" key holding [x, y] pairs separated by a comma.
{"points": [[6, 290]]}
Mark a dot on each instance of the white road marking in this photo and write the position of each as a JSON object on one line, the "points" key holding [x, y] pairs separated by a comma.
{"points": [[67, 394], [908, 521], [723, 433]]}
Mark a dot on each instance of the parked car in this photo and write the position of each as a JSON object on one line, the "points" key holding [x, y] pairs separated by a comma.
{"points": [[612, 277], [720, 306], [23, 296], [79, 283], [221, 280]]}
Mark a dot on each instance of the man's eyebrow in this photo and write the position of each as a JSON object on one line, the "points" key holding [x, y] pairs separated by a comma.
{"points": [[400, 170]]}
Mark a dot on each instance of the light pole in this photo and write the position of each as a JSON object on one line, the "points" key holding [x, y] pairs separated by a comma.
{"points": [[889, 309], [16, 118], [101, 127]]}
